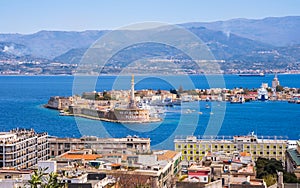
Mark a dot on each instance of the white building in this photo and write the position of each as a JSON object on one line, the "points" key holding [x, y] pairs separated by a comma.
{"points": [[22, 148]]}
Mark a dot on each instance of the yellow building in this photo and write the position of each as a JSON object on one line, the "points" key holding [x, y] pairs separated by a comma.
{"points": [[194, 149]]}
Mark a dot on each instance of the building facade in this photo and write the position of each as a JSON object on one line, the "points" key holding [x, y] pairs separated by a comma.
{"points": [[194, 149], [100, 145], [22, 148]]}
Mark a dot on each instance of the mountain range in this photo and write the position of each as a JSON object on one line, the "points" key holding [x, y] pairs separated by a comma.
{"points": [[271, 42]]}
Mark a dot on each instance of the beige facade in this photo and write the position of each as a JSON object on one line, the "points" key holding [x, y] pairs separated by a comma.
{"points": [[23, 148], [194, 149], [100, 145], [59, 103]]}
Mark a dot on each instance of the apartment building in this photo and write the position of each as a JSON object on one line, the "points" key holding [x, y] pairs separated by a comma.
{"points": [[22, 148], [130, 144], [193, 148]]}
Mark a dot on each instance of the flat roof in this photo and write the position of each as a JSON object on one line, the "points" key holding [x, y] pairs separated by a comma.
{"points": [[295, 156], [81, 156]]}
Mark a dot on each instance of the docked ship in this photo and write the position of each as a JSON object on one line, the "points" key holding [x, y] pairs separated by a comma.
{"points": [[237, 99], [262, 93], [254, 75]]}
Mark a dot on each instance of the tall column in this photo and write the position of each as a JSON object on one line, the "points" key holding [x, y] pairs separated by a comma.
{"points": [[132, 97]]}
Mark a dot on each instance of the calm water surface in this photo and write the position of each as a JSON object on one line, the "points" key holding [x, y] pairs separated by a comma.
{"points": [[21, 99]]}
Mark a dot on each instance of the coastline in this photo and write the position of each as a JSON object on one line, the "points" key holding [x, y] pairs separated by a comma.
{"points": [[110, 120]]}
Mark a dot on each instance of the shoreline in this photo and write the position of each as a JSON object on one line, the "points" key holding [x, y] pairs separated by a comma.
{"points": [[110, 120]]}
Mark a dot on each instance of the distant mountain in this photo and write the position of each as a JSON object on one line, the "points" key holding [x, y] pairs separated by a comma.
{"points": [[278, 31], [11, 48], [243, 43], [221, 45], [49, 44], [225, 46], [72, 56]]}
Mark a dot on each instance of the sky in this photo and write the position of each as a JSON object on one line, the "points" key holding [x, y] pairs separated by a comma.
{"points": [[30, 16]]}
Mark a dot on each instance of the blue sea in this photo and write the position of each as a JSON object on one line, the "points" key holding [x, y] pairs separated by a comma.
{"points": [[22, 97]]}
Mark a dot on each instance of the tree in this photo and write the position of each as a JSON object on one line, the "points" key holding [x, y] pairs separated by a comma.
{"points": [[52, 181], [36, 179], [270, 179], [173, 91], [279, 88], [40, 179], [267, 169]]}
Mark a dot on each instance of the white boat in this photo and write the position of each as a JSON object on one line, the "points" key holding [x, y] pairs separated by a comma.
{"points": [[262, 94]]}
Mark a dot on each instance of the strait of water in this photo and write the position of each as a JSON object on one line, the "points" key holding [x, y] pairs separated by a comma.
{"points": [[22, 97]]}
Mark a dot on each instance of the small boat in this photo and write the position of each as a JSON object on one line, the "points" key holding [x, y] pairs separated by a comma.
{"points": [[211, 113], [207, 106], [200, 113]]}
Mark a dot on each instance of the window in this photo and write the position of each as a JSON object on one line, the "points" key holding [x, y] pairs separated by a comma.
{"points": [[203, 152], [254, 152], [261, 152], [191, 152], [216, 146], [268, 147], [222, 146], [228, 147], [274, 147], [268, 153], [184, 152], [179, 146], [191, 146], [274, 152]]}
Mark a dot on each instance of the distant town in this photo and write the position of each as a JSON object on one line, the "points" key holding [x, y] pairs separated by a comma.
{"points": [[147, 105], [46, 67]]}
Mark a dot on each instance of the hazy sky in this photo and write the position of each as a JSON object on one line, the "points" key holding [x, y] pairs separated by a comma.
{"points": [[29, 16]]}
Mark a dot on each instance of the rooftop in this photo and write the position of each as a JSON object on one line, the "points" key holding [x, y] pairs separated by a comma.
{"points": [[167, 155], [295, 156], [80, 156]]}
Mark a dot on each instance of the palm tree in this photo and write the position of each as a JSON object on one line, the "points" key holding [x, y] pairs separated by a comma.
{"points": [[53, 182], [41, 180], [36, 179]]}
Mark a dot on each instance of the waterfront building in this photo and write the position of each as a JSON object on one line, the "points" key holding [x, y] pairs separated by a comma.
{"points": [[21, 148], [59, 103], [111, 110], [194, 149], [126, 145]]}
